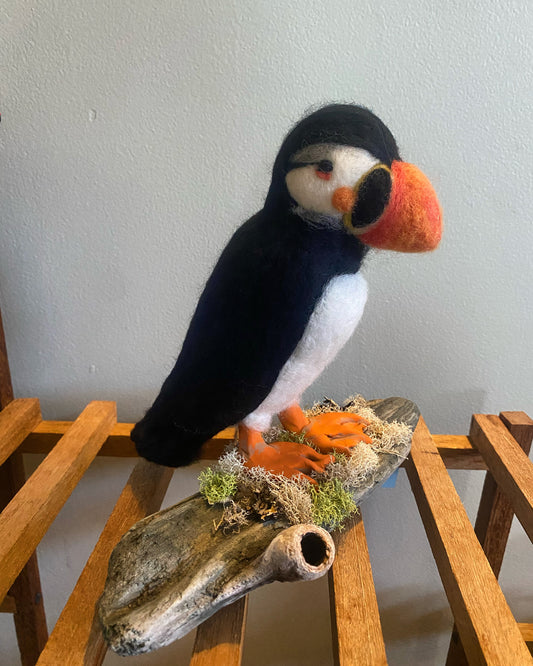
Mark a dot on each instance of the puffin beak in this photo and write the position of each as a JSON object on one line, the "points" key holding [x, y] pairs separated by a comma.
{"points": [[411, 220]]}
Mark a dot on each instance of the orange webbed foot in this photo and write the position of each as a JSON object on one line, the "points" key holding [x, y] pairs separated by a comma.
{"points": [[290, 459], [287, 458], [330, 432]]}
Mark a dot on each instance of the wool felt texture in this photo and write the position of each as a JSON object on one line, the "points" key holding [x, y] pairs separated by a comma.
{"points": [[316, 194], [332, 322], [372, 196], [412, 221], [343, 199], [278, 269], [337, 124], [249, 320]]}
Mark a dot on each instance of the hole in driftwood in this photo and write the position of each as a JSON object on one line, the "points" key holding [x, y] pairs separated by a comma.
{"points": [[314, 549]]}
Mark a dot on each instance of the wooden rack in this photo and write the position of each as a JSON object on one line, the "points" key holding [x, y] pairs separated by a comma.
{"points": [[468, 558]]}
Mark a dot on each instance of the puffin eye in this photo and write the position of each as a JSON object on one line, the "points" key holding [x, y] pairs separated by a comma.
{"points": [[324, 169], [325, 166]]}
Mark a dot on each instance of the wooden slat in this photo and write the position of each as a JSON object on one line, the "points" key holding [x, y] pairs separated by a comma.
{"points": [[29, 617], [17, 421], [520, 425], [46, 435], [6, 387], [77, 637], [9, 605], [485, 623], [495, 514], [494, 519], [29, 514], [526, 629], [510, 466], [219, 639], [458, 453], [456, 450], [357, 635]]}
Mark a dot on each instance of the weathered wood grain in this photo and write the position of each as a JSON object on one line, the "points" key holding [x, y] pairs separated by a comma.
{"points": [[77, 637], [26, 518], [357, 636], [173, 570], [479, 607], [219, 639], [187, 547], [17, 420], [396, 409]]}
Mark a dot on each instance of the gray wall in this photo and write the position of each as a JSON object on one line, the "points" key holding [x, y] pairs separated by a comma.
{"points": [[135, 137]]}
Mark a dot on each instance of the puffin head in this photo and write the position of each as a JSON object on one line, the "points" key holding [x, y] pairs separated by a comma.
{"points": [[340, 165]]}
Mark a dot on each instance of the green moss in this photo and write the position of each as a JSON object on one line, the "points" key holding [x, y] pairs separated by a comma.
{"points": [[217, 487], [332, 504]]}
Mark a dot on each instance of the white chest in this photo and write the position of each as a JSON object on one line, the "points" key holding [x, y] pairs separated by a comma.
{"points": [[332, 322]]}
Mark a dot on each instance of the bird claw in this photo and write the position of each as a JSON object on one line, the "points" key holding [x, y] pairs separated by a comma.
{"points": [[290, 459], [336, 432]]}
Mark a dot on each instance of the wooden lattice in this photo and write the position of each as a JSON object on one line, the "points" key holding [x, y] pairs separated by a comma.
{"points": [[468, 558]]}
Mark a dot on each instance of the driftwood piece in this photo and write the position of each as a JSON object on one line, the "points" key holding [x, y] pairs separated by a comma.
{"points": [[174, 569], [396, 409]]}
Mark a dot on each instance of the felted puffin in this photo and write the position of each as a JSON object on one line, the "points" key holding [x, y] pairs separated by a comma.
{"points": [[287, 293]]}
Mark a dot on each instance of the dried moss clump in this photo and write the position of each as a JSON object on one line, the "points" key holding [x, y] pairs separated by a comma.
{"points": [[355, 470], [290, 496], [217, 487], [332, 504], [234, 516]]}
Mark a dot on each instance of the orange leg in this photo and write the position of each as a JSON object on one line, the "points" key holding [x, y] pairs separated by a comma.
{"points": [[293, 418], [331, 432], [250, 441], [287, 458]]}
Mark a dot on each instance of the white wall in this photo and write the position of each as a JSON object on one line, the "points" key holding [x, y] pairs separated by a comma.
{"points": [[136, 136]]}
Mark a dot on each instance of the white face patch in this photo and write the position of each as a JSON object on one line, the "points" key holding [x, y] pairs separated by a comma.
{"points": [[313, 193]]}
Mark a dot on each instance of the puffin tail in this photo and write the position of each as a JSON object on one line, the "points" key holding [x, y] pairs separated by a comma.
{"points": [[159, 438]]}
